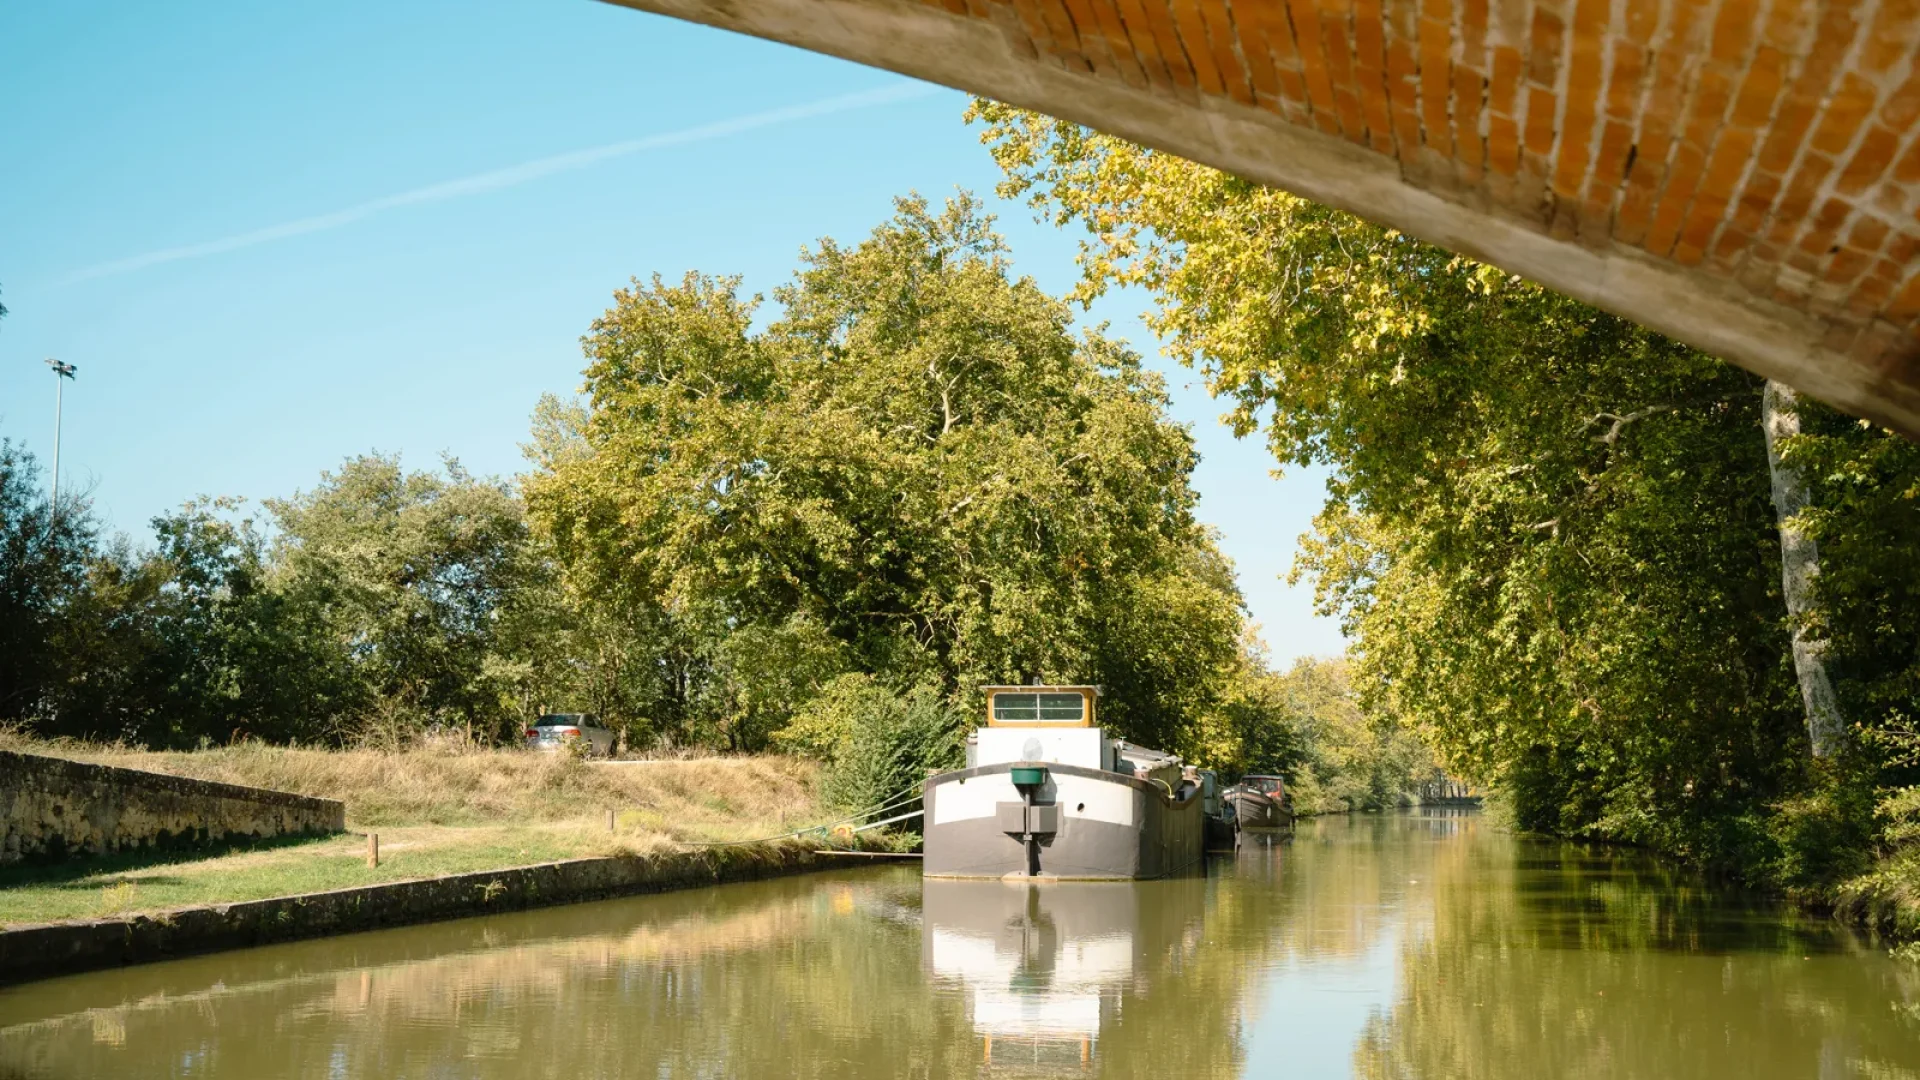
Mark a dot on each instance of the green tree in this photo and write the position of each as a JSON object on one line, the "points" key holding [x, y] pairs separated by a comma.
{"points": [[43, 564], [916, 458], [1548, 531], [412, 572]]}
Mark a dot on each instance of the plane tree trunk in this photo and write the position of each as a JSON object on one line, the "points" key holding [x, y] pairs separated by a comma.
{"points": [[1799, 566]]}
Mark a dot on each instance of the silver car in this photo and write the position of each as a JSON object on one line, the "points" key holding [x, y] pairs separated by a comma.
{"points": [[560, 731]]}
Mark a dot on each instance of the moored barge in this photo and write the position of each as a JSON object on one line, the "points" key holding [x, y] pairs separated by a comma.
{"points": [[1260, 802], [1046, 794]]}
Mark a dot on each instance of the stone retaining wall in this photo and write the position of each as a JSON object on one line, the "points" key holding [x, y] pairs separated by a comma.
{"points": [[52, 808]]}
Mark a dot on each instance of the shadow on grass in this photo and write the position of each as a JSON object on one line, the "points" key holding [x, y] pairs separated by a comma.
{"points": [[72, 873]]}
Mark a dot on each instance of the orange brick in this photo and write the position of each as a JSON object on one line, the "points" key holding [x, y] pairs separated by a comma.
{"points": [[1818, 236], [1623, 85], [1293, 86], [1540, 121], [1867, 297], [1890, 39], [1039, 37], [1906, 303], [1665, 99], [1643, 18], [1259, 57], [1798, 199], [1313, 64], [1733, 31], [1907, 170], [1146, 48], [1506, 79], [1543, 51], [1370, 75], [1902, 107], [1435, 83], [1473, 34], [1094, 44], [1610, 168], [1731, 244], [1193, 42], [1728, 163], [1750, 211], [1760, 87], [1833, 36], [1338, 47], [1063, 41], [1682, 178], [1403, 94], [1635, 214], [1844, 114], [1846, 266], [1503, 144], [1869, 162], [1275, 29], [1710, 95], [1468, 85], [1716, 188], [1221, 39], [1128, 55], [1167, 38]]}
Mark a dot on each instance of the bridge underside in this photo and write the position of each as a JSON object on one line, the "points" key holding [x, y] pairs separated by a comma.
{"points": [[1739, 174]]}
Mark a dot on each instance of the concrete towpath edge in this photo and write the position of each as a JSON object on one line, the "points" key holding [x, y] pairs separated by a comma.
{"points": [[45, 950]]}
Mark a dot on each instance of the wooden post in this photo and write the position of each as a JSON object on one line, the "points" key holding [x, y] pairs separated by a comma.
{"points": [[373, 850]]}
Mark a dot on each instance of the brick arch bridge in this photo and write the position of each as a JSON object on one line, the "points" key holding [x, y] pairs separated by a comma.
{"points": [[1743, 175]]}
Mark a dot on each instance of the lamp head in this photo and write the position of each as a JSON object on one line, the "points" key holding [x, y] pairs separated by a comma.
{"points": [[64, 371]]}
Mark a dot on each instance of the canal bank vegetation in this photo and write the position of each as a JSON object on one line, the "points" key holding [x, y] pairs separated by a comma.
{"points": [[1640, 593]]}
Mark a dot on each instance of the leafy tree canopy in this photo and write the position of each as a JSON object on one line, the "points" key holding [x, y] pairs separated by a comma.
{"points": [[1548, 530], [916, 455]]}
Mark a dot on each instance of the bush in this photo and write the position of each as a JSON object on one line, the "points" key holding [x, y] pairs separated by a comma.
{"points": [[1825, 836], [876, 742]]}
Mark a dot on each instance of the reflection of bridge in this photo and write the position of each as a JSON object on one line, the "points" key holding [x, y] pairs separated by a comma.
{"points": [[1741, 176]]}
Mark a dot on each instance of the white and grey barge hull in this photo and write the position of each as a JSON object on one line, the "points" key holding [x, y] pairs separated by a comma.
{"points": [[1076, 824], [1045, 794]]}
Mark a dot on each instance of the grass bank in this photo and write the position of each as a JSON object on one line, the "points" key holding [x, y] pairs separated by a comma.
{"points": [[437, 812]]}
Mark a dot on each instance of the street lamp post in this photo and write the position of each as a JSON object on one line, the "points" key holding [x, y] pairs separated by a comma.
{"points": [[61, 373]]}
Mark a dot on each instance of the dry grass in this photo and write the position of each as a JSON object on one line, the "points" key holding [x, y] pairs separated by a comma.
{"points": [[694, 798], [438, 811]]}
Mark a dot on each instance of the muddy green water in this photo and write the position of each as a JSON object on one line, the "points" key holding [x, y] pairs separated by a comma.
{"points": [[1414, 946]]}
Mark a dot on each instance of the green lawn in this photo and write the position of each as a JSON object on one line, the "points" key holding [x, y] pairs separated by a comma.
{"points": [[124, 884]]}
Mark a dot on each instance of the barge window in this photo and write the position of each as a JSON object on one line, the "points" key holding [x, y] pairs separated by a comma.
{"points": [[1039, 708]]}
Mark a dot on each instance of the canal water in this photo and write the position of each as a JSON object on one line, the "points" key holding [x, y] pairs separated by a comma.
{"points": [[1410, 946]]}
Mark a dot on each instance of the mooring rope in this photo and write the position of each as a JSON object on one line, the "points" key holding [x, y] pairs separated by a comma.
{"points": [[894, 802]]}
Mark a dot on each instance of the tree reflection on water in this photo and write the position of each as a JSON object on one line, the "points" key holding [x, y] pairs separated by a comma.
{"points": [[1482, 956]]}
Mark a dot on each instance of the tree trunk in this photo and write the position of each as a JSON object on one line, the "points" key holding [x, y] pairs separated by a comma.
{"points": [[1799, 566]]}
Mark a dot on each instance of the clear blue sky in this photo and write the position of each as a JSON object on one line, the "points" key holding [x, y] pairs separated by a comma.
{"points": [[274, 235]]}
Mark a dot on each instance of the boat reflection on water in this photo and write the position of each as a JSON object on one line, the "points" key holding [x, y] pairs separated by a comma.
{"points": [[1046, 969]]}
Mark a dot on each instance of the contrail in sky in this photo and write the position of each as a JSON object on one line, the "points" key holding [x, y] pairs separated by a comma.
{"points": [[512, 176]]}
